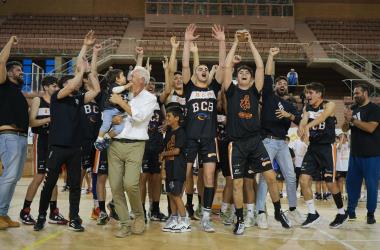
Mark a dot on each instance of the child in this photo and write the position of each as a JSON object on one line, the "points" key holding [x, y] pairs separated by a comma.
{"points": [[175, 167], [117, 85]]}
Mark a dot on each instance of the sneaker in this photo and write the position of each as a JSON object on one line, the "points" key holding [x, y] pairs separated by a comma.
{"points": [[101, 145], [198, 213], [113, 214], [339, 220], [40, 223], [95, 213], [76, 226], [371, 219], [207, 226], [327, 196], [103, 219], [56, 218], [26, 218], [170, 224], [296, 217], [158, 217], [318, 196], [182, 226], [352, 216], [311, 220], [123, 232], [239, 228], [281, 217], [226, 218], [262, 221], [249, 221]]}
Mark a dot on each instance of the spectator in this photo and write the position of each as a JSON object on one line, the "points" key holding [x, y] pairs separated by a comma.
{"points": [[292, 77]]}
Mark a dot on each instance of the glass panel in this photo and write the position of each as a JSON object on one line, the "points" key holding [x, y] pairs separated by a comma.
{"points": [[276, 10], [151, 8], [188, 9], [163, 8], [176, 9], [251, 10], [264, 10], [288, 10], [226, 10]]}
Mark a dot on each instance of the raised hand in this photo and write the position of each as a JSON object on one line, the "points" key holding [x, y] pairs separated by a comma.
{"points": [[193, 47], [215, 67], [97, 47], [165, 63], [237, 59], [89, 39], [248, 37], [13, 40], [218, 32], [174, 42], [274, 51], [189, 33], [139, 50]]}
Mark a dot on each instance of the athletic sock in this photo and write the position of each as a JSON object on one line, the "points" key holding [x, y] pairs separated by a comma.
{"points": [[250, 209], [169, 208], [102, 206], [208, 196], [239, 214], [199, 199], [277, 207], [339, 202], [27, 204], [206, 213], [155, 207], [96, 203], [224, 207], [310, 206], [189, 199]]}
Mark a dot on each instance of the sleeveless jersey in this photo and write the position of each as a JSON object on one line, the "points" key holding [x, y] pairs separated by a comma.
{"points": [[43, 112], [324, 133], [91, 120], [176, 99]]}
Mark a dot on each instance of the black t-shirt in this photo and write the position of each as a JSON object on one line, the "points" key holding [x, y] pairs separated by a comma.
{"points": [[201, 110], [156, 138], [242, 112], [270, 124], [175, 166], [42, 113], [13, 106], [107, 104], [65, 125], [324, 133], [364, 144], [91, 120], [175, 99], [221, 131]]}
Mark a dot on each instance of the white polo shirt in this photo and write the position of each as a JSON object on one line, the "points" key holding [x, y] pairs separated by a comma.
{"points": [[136, 126]]}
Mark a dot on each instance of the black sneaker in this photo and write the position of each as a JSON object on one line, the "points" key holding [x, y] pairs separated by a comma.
{"points": [[352, 216], [371, 218], [239, 228], [339, 220], [56, 218], [103, 218], [282, 219], [75, 225], [311, 220], [327, 196], [113, 213], [40, 223], [26, 218], [318, 196], [158, 217]]}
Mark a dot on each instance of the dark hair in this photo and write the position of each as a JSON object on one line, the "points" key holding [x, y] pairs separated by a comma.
{"points": [[246, 67], [177, 73], [364, 87], [177, 112], [317, 87], [9, 66], [64, 79], [49, 80], [152, 79], [113, 74], [279, 78]]}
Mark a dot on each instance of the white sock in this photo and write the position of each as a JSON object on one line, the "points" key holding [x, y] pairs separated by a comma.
{"points": [[341, 211], [107, 136], [250, 209], [310, 206], [100, 138], [96, 203], [206, 213], [233, 210], [224, 207]]}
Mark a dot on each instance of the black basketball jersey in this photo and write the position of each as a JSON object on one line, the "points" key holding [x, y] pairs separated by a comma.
{"points": [[324, 133], [242, 112], [91, 119], [176, 99], [155, 136], [201, 110], [43, 112]]}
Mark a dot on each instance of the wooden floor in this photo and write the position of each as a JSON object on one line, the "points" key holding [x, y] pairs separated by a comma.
{"points": [[353, 235]]}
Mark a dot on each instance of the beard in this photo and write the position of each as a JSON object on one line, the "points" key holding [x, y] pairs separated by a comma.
{"points": [[280, 93], [359, 100]]}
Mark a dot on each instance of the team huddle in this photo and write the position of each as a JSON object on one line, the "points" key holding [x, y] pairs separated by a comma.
{"points": [[204, 121]]}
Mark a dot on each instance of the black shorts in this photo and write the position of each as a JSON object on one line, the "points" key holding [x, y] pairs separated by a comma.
{"points": [[205, 148], [318, 160], [174, 187], [248, 156], [150, 162], [88, 155], [223, 158], [318, 176], [100, 163], [340, 174], [40, 152]]}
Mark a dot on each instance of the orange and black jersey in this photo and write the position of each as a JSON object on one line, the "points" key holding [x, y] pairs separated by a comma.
{"points": [[324, 133], [42, 113], [175, 166], [242, 112], [201, 110]]}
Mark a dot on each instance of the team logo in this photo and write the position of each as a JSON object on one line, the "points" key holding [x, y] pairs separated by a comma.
{"points": [[245, 104], [211, 155], [202, 116]]}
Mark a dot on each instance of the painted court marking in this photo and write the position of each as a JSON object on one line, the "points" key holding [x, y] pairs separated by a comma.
{"points": [[43, 240]]}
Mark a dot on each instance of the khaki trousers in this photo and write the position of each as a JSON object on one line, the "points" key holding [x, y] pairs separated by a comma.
{"points": [[124, 163]]}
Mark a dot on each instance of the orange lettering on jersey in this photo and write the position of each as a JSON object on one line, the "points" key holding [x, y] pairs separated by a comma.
{"points": [[245, 115], [170, 146], [245, 103]]}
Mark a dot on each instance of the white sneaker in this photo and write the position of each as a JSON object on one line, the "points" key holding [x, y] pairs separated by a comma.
{"points": [[207, 226], [262, 221], [182, 226], [249, 221], [296, 217], [170, 224]]}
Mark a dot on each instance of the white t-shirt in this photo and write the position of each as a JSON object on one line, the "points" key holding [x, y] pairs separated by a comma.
{"points": [[299, 148], [342, 155]]}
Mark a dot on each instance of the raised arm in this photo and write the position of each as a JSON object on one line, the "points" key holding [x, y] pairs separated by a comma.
{"points": [[195, 52], [269, 67], [139, 56], [33, 111], [74, 83], [173, 61], [168, 85], [259, 74], [4, 55], [88, 41], [212, 73], [189, 37], [94, 86], [218, 34], [148, 66], [229, 64]]}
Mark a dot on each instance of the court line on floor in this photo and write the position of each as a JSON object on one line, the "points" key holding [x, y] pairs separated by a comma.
{"points": [[43, 240], [336, 239]]}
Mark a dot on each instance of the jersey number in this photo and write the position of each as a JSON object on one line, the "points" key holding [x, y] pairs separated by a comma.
{"points": [[205, 106]]}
